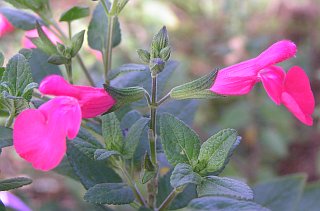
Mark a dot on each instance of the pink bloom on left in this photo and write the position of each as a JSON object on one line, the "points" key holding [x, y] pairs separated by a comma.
{"points": [[5, 26], [39, 135]]}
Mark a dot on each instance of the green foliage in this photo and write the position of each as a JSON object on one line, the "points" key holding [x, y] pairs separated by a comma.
{"points": [[35, 5], [58, 60], [144, 55], [111, 132], [40, 68], [20, 19], [281, 193], [43, 42], [102, 154], [183, 175], [159, 42], [76, 43], [215, 151], [180, 143], [98, 30], [1, 59], [109, 193], [223, 204], [75, 13], [13, 183], [223, 186], [80, 152], [134, 136], [6, 137], [310, 198], [197, 89]]}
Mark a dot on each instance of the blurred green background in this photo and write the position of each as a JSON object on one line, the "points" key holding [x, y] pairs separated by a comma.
{"points": [[204, 34]]}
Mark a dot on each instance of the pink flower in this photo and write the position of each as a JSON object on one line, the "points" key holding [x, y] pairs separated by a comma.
{"points": [[240, 78], [5, 26], [93, 101], [292, 90], [26, 42], [39, 135]]}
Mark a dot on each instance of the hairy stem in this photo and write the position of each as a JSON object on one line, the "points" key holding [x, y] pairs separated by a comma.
{"points": [[165, 98], [10, 119], [108, 49], [69, 72], [168, 200]]}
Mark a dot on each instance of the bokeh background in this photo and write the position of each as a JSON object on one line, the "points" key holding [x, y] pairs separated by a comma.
{"points": [[204, 34]]}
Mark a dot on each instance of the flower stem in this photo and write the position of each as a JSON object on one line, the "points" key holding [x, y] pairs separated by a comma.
{"points": [[108, 48], [69, 71], [10, 119]]}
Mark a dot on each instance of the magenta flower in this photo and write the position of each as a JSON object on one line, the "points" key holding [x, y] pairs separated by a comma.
{"points": [[5, 26], [240, 78], [39, 135], [93, 101], [27, 43], [292, 90]]}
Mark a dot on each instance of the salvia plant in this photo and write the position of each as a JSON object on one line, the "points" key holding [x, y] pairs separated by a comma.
{"points": [[118, 141]]}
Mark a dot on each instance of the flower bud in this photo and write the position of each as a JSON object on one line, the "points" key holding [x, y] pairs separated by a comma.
{"points": [[156, 66], [144, 55]]}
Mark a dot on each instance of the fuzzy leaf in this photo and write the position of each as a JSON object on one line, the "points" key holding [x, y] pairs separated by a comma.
{"points": [[102, 154], [43, 42], [183, 175], [223, 186], [77, 41], [215, 151], [110, 193], [111, 132], [211, 203], [134, 136], [180, 143], [20, 19], [281, 193], [75, 13], [13, 183], [98, 30]]}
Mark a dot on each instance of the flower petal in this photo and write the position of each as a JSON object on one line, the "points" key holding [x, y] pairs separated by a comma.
{"points": [[297, 95], [39, 136], [239, 79], [272, 79], [93, 101]]}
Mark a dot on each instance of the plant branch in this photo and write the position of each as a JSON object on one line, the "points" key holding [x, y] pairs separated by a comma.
{"points": [[108, 48], [168, 200], [165, 98]]}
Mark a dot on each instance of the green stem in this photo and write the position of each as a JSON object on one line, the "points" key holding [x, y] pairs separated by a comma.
{"points": [[69, 30], [165, 98], [108, 49], [168, 200], [69, 72], [10, 119]]}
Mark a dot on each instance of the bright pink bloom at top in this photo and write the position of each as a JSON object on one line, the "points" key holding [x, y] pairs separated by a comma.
{"points": [[39, 135], [93, 101], [292, 90], [26, 42], [239, 79], [5, 26]]}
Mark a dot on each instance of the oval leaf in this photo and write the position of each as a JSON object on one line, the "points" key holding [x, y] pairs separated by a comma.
{"points": [[183, 175], [75, 13], [13, 183], [111, 132]]}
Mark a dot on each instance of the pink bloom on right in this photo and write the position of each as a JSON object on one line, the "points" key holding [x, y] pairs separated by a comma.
{"points": [[292, 89]]}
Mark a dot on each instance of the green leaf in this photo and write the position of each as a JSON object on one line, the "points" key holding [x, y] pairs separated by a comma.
{"points": [[180, 143], [98, 30], [183, 175], [81, 158], [124, 96], [144, 55], [181, 200], [18, 76], [127, 68], [102, 154], [58, 60], [13, 183], [35, 5], [20, 19], [211, 203], [75, 13], [6, 137], [310, 198], [111, 132], [64, 168], [129, 119], [77, 41], [1, 60], [134, 136], [27, 53], [40, 67], [110, 193], [159, 41], [215, 151], [223, 186], [281, 193], [197, 89], [43, 42]]}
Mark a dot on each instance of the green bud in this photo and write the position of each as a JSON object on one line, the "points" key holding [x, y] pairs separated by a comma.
{"points": [[27, 53], [159, 41], [60, 48], [67, 53], [197, 89], [144, 55], [58, 60], [156, 66], [165, 53]]}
